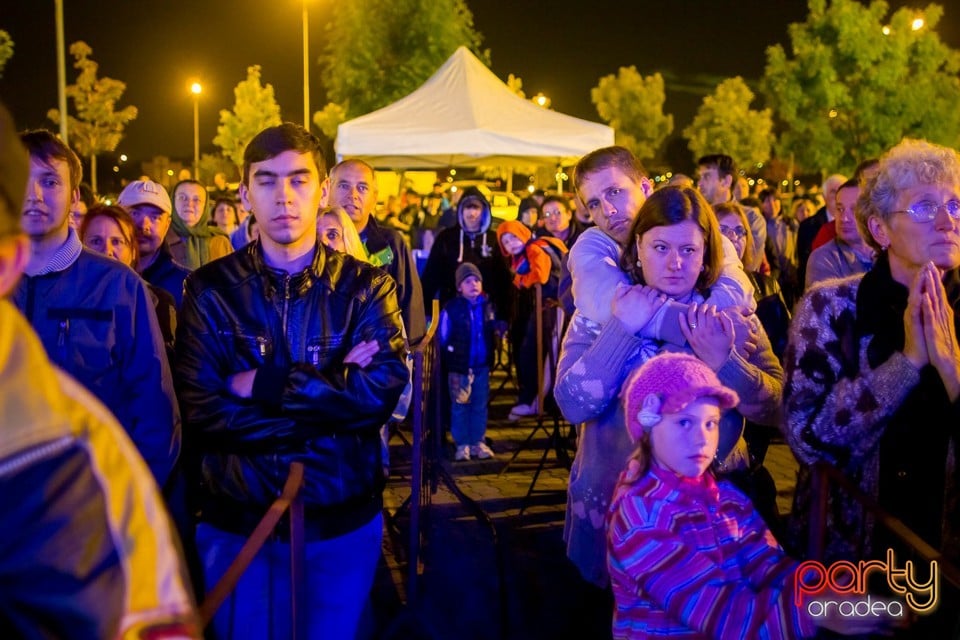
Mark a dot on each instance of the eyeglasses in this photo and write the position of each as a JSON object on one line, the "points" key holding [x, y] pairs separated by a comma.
{"points": [[927, 210], [740, 232], [551, 214]]}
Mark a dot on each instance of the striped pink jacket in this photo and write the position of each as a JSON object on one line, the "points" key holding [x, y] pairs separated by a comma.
{"points": [[690, 558]]}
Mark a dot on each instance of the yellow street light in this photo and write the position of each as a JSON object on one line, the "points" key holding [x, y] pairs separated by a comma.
{"points": [[917, 24], [195, 89], [542, 100], [886, 30]]}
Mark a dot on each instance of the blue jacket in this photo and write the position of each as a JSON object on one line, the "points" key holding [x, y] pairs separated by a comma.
{"points": [[86, 548], [167, 274], [96, 320]]}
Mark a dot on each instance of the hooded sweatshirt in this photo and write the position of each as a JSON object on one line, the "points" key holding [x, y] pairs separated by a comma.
{"points": [[456, 245]]}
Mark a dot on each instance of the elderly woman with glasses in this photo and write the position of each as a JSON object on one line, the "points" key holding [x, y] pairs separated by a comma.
{"points": [[873, 365]]}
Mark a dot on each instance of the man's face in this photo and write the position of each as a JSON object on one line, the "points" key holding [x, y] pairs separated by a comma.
{"points": [[713, 188], [556, 218], [472, 214], [846, 221], [77, 212], [152, 225], [284, 194], [354, 188], [770, 207], [46, 206], [830, 198], [613, 200], [189, 201]]}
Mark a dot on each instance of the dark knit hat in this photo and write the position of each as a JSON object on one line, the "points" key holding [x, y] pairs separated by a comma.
{"points": [[465, 270], [14, 170], [667, 383]]}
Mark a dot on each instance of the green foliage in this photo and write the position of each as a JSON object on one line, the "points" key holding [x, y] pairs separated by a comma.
{"points": [[633, 106], [378, 51], [255, 108], [846, 91], [98, 127], [725, 123], [6, 49], [515, 84], [213, 163], [329, 118]]}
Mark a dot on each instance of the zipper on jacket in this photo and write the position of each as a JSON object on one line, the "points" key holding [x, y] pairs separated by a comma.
{"points": [[262, 344], [62, 338], [19, 461], [314, 351], [286, 303]]}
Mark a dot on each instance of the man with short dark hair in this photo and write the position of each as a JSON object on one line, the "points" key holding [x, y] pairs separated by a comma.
{"points": [[719, 182], [86, 549], [93, 314], [847, 253], [353, 186], [266, 379]]}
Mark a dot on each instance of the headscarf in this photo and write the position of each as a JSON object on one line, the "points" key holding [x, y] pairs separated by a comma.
{"points": [[532, 266], [196, 238]]}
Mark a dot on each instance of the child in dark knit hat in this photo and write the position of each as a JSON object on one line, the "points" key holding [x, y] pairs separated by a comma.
{"points": [[690, 556], [467, 348]]}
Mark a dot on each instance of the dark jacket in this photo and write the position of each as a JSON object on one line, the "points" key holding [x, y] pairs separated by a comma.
{"points": [[466, 334], [388, 250], [455, 245], [772, 310], [806, 234], [167, 274], [295, 330], [97, 321]]}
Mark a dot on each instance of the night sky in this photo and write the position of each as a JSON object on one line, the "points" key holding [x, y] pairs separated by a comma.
{"points": [[560, 48]]}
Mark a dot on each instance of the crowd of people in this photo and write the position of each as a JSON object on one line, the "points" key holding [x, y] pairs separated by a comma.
{"points": [[219, 337]]}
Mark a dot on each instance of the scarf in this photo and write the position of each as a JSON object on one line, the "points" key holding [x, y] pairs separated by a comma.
{"points": [[196, 238]]}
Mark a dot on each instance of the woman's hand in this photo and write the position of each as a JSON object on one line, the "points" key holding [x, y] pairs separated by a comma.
{"points": [[709, 333], [362, 353], [915, 345], [635, 305], [939, 331], [746, 331]]}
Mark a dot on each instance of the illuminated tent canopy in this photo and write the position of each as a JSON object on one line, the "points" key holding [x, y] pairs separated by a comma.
{"points": [[464, 116]]}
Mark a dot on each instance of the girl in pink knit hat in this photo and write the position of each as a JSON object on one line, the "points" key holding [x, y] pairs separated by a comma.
{"points": [[689, 556]]}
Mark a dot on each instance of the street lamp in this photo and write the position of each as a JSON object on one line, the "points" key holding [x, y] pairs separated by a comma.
{"points": [[195, 88], [306, 70]]}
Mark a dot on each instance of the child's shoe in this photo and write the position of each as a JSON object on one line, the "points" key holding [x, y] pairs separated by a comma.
{"points": [[463, 453], [481, 451]]}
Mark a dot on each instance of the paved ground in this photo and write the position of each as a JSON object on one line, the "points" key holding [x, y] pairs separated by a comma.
{"points": [[462, 593]]}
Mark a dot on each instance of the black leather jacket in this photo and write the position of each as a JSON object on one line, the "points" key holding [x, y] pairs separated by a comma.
{"points": [[295, 330]]}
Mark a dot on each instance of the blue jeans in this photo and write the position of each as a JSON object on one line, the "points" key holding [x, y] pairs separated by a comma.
{"points": [[468, 421], [339, 576]]}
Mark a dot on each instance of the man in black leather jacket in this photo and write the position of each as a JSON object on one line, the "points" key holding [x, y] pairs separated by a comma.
{"points": [[262, 352]]}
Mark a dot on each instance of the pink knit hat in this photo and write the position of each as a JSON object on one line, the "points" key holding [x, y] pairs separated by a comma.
{"points": [[667, 383]]}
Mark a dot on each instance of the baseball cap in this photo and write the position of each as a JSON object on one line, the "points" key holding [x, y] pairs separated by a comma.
{"points": [[145, 192]]}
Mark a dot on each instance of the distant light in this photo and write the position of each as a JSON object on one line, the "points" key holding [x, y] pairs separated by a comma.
{"points": [[123, 157], [169, 172], [453, 189], [785, 182], [108, 202], [196, 88], [759, 165], [796, 183], [886, 30], [531, 188], [832, 113], [656, 178], [541, 100], [751, 182], [116, 169], [669, 174], [917, 24], [449, 178], [453, 172]]}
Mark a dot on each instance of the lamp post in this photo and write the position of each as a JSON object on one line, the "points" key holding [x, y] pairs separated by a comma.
{"points": [[195, 88], [306, 70]]}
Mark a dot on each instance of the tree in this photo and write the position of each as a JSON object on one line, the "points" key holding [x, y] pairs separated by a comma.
{"points": [[6, 49], [854, 84], [378, 51], [725, 123], [97, 128], [254, 109], [633, 106], [329, 118], [515, 84], [213, 163]]}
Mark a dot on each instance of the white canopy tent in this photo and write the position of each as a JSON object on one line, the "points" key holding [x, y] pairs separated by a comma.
{"points": [[464, 116]]}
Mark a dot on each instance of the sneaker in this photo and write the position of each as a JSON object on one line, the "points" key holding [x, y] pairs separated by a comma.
{"points": [[481, 451], [523, 410], [463, 453]]}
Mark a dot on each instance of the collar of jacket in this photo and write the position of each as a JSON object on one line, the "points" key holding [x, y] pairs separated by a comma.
{"points": [[276, 280]]}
